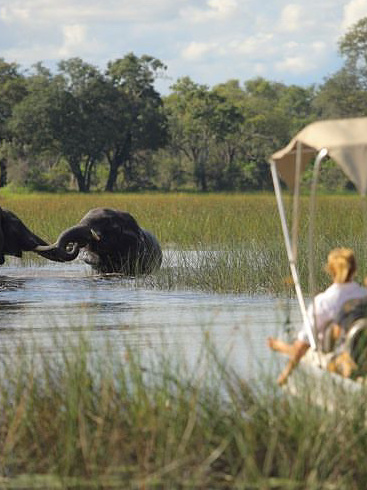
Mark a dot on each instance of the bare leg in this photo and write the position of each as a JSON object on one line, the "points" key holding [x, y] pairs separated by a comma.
{"points": [[281, 346], [342, 364], [295, 351]]}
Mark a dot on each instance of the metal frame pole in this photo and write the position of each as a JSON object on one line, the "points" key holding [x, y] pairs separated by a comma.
{"points": [[295, 217], [311, 231], [291, 260]]}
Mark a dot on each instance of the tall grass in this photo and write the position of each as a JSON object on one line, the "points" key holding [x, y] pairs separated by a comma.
{"points": [[78, 420], [178, 219], [244, 228]]}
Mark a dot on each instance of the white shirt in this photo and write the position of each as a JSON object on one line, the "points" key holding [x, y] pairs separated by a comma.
{"points": [[328, 303]]}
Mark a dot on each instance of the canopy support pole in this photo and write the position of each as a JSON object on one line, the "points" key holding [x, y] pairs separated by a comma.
{"points": [[311, 231], [295, 218], [290, 255]]}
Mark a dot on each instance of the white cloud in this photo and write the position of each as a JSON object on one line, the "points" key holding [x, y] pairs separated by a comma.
{"points": [[27, 55], [353, 11], [290, 19], [215, 10], [319, 47], [295, 64], [74, 40], [300, 58], [258, 45], [292, 44], [39, 11], [260, 69], [196, 50], [222, 8], [8, 14], [206, 39]]}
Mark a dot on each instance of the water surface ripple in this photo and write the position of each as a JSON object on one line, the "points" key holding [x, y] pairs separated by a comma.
{"points": [[37, 301]]}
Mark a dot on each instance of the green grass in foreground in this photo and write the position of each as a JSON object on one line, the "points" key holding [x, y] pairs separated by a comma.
{"points": [[79, 419], [244, 228]]}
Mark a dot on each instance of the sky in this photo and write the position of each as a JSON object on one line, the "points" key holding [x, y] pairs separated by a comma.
{"points": [[211, 41]]}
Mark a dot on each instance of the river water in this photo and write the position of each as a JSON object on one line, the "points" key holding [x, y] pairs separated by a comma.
{"points": [[37, 301]]}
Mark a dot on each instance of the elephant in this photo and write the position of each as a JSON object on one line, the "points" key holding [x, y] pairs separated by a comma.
{"points": [[111, 241], [16, 238]]}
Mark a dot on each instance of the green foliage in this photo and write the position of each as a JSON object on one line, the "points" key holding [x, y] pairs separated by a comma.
{"points": [[196, 137], [82, 115], [202, 122], [353, 45], [136, 119], [344, 93], [12, 91], [331, 178]]}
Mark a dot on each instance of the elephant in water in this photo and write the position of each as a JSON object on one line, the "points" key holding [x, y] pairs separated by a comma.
{"points": [[16, 238], [111, 241]]}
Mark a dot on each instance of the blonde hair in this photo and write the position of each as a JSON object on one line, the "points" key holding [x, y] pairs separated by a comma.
{"points": [[341, 264]]}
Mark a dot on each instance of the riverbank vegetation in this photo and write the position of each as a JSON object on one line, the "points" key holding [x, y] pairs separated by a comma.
{"points": [[83, 128], [214, 242], [107, 419]]}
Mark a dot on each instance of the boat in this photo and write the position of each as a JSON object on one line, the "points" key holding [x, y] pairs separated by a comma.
{"points": [[345, 142]]}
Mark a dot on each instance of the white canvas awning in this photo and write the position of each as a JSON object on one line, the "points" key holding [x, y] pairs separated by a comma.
{"points": [[345, 141]]}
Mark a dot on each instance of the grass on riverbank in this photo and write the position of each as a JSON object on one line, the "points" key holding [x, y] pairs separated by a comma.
{"points": [[82, 419], [244, 228]]}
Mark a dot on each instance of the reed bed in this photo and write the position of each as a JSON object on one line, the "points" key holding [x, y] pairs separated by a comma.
{"points": [[82, 419], [243, 229], [76, 417]]}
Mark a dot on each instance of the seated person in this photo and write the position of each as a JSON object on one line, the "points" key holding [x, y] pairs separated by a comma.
{"points": [[352, 310], [341, 266], [350, 326]]}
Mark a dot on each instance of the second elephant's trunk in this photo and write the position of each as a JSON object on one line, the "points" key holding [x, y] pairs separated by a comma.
{"points": [[77, 236]]}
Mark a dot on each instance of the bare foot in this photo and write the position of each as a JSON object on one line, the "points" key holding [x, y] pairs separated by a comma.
{"points": [[271, 341], [280, 345], [282, 379]]}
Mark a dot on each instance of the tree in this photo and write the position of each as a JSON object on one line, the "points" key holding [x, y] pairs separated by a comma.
{"points": [[229, 139], [12, 91], [65, 114], [353, 47], [30, 126], [344, 94], [341, 96], [297, 103], [136, 120], [229, 132], [200, 120], [267, 128], [81, 122]]}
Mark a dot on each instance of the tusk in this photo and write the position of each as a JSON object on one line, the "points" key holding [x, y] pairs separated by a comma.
{"points": [[45, 248], [95, 235]]}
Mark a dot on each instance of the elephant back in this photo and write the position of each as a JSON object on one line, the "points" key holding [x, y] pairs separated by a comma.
{"points": [[152, 256]]}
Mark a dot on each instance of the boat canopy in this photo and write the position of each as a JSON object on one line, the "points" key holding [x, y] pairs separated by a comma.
{"points": [[345, 141]]}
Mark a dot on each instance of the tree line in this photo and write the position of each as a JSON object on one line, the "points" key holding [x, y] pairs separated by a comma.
{"points": [[87, 129]]}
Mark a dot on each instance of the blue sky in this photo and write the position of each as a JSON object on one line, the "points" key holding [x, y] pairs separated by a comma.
{"points": [[210, 41]]}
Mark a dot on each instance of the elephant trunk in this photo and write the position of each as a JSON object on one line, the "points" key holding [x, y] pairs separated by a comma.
{"points": [[50, 252], [69, 242]]}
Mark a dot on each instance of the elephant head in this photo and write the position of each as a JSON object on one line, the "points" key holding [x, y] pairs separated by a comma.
{"points": [[111, 241], [16, 238]]}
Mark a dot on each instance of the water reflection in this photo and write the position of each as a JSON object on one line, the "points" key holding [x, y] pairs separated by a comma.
{"points": [[9, 283], [38, 302]]}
